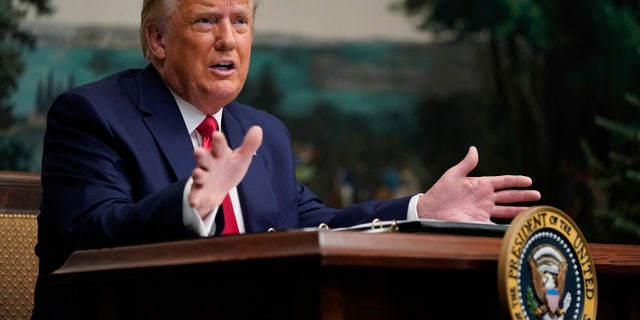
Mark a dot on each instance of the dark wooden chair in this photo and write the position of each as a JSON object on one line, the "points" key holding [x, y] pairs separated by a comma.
{"points": [[20, 194]]}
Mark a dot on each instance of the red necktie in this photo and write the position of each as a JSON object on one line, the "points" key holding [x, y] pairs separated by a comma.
{"points": [[206, 129]]}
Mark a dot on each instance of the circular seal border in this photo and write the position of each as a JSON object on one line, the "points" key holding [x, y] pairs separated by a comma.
{"points": [[549, 225]]}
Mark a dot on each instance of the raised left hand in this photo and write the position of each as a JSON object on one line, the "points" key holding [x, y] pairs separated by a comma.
{"points": [[457, 197]]}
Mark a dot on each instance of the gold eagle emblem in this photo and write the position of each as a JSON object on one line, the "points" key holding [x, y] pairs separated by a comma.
{"points": [[548, 273]]}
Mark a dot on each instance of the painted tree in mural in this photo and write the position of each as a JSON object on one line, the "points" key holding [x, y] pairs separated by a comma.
{"points": [[557, 67], [13, 41]]}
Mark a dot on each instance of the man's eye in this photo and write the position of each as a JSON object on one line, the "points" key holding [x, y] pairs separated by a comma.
{"points": [[205, 20]]}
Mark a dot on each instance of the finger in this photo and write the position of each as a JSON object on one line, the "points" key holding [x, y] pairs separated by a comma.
{"points": [[510, 181], [507, 212], [251, 143], [203, 158], [219, 144], [515, 196], [464, 167], [198, 176]]}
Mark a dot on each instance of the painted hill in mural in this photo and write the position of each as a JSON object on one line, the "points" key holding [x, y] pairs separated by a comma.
{"points": [[359, 77]]}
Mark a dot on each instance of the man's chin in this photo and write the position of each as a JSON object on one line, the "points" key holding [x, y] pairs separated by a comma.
{"points": [[221, 94]]}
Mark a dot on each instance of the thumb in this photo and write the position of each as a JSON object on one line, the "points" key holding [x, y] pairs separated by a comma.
{"points": [[464, 167], [252, 141]]}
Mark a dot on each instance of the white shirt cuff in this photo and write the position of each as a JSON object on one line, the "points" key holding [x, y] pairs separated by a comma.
{"points": [[191, 218], [412, 211]]}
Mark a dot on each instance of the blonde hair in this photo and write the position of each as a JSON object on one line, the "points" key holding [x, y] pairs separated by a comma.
{"points": [[158, 12]]}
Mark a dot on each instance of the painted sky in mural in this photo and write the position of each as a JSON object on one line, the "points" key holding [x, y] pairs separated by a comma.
{"points": [[327, 19]]}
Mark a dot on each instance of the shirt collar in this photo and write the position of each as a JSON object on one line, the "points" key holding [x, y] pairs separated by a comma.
{"points": [[192, 116]]}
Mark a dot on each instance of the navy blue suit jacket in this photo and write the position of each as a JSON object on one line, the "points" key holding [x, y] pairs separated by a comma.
{"points": [[116, 158]]}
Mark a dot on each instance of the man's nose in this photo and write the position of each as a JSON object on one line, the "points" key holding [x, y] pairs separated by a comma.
{"points": [[224, 36]]}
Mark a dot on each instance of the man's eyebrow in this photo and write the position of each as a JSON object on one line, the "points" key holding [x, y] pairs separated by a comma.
{"points": [[243, 10], [234, 9]]}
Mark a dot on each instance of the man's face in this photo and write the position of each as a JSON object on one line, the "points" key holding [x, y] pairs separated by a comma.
{"points": [[206, 48]]}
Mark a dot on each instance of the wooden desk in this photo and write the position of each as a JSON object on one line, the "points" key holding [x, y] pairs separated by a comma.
{"points": [[322, 275]]}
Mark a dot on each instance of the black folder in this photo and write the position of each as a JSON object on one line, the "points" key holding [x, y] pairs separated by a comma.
{"points": [[431, 226]]}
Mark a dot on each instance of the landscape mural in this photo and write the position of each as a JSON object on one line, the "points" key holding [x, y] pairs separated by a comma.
{"points": [[544, 89]]}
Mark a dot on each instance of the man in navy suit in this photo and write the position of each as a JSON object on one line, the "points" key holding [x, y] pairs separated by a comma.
{"points": [[119, 166]]}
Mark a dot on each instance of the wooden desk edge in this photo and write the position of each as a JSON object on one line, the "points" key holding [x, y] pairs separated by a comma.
{"points": [[330, 248]]}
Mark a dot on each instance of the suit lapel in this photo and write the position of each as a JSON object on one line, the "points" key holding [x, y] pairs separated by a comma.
{"points": [[164, 120]]}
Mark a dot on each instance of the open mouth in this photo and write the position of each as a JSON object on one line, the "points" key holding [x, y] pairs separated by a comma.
{"points": [[225, 66]]}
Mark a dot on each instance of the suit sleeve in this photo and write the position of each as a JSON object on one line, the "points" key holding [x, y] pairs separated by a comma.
{"points": [[93, 191]]}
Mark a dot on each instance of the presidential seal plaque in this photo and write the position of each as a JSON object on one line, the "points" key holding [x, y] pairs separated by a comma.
{"points": [[545, 270]]}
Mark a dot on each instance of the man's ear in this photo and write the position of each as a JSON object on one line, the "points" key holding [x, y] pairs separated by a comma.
{"points": [[155, 40]]}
